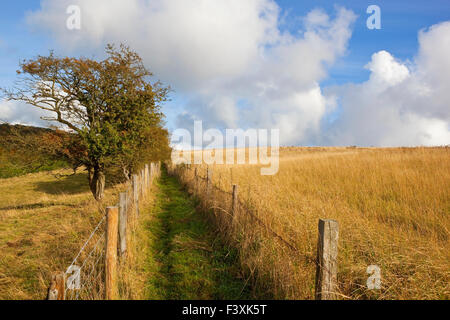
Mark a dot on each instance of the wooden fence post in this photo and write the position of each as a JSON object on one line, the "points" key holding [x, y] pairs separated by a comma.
{"points": [[141, 183], [112, 224], [327, 251], [57, 289], [122, 223], [196, 181], [147, 177], [152, 173], [208, 180], [234, 202], [135, 193]]}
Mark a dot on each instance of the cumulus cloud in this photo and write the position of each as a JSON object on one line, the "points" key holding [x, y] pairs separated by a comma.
{"points": [[234, 67], [228, 58], [186, 42], [20, 113], [400, 104]]}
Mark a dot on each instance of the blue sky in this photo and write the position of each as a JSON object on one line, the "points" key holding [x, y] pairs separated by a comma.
{"points": [[401, 19], [401, 22]]}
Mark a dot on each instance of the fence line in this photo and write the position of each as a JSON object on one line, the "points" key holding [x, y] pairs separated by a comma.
{"points": [[258, 220], [327, 249], [91, 275]]}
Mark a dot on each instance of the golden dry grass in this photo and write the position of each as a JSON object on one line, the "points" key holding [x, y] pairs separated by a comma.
{"points": [[392, 205], [44, 220]]}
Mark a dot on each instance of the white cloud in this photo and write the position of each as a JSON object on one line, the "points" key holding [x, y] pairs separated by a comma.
{"points": [[186, 42], [219, 55], [385, 70], [20, 113], [234, 67], [399, 105]]}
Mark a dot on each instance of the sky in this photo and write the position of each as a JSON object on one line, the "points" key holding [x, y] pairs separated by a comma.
{"points": [[312, 69]]}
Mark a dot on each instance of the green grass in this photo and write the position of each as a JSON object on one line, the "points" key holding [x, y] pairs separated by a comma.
{"points": [[186, 260], [10, 167], [18, 158]]}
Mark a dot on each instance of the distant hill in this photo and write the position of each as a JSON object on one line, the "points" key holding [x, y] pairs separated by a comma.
{"points": [[17, 155]]}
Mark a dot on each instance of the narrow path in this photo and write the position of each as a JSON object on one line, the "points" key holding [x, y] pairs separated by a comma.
{"points": [[186, 259]]}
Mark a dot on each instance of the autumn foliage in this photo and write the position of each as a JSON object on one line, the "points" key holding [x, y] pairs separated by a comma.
{"points": [[109, 111]]}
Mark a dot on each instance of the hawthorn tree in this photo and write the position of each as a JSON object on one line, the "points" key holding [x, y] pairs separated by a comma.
{"points": [[110, 105]]}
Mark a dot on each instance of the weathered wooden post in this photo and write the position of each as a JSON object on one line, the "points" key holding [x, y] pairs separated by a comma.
{"points": [[135, 193], [112, 224], [327, 252], [209, 187], [152, 173], [196, 180], [147, 177], [142, 184], [122, 223], [234, 203], [57, 289], [208, 181]]}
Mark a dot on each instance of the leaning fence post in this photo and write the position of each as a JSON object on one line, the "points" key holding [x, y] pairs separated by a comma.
{"points": [[135, 193], [112, 217], [327, 251], [57, 289], [234, 202], [122, 223]]}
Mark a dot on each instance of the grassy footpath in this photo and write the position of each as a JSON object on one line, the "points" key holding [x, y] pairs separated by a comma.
{"points": [[185, 259]]}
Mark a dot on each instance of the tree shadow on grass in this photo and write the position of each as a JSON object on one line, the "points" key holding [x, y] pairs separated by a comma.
{"points": [[73, 184]]}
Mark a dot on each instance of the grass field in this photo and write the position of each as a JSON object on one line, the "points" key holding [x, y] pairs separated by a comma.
{"points": [[172, 251], [44, 219], [393, 207]]}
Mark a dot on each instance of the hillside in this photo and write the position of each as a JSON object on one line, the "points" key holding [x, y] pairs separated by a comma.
{"points": [[17, 154]]}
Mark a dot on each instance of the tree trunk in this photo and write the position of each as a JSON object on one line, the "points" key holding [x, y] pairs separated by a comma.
{"points": [[126, 173], [97, 182]]}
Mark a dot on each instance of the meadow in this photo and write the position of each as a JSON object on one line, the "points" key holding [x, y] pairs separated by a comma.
{"points": [[45, 218], [392, 205]]}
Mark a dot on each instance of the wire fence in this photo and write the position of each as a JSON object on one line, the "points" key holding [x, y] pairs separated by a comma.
{"points": [[219, 205], [241, 222], [85, 278], [84, 275]]}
